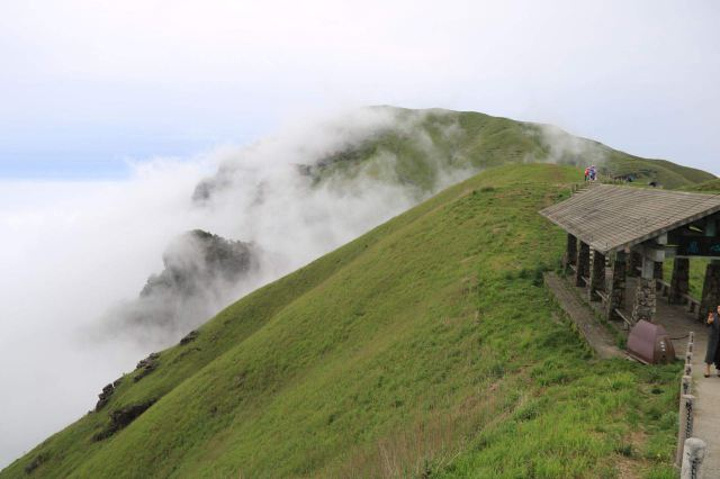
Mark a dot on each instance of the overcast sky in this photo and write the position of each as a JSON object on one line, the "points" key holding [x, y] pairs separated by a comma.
{"points": [[87, 85]]}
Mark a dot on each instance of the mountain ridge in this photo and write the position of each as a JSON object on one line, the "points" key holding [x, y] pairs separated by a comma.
{"points": [[405, 352]]}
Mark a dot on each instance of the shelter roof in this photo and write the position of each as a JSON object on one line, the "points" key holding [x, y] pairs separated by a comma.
{"points": [[610, 218]]}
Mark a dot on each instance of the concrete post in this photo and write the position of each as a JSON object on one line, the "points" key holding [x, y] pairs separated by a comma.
{"points": [[680, 282], [616, 282], [571, 253], [711, 290], [597, 275], [686, 385], [693, 456], [687, 405], [583, 264], [645, 304]]}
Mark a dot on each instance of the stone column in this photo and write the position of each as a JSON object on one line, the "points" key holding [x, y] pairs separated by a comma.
{"points": [[616, 281], [571, 253], [583, 264], [711, 290], [645, 305], [680, 282], [635, 261], [597, 275], [658, 273]]}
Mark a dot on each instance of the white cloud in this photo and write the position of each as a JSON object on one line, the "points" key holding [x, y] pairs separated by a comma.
{"points": [[71, 251]]}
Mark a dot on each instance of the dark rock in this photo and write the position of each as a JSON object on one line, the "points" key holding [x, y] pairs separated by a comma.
{"points": [[121, 418], [148, 361], [36, 462], [146, 366], [189, 337], [104, 396], [200, 270]]}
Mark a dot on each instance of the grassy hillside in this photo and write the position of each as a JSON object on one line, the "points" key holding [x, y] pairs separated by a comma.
{"points": [[427, 347], [711, 186], [424, 144]]}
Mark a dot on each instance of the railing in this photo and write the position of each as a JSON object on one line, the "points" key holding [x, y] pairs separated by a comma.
{"points": [[690, 450], [693, 305], [628, 321]]}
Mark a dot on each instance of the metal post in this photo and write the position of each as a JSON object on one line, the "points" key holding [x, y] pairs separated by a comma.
{"points": [[693, 456], [687, 404]]}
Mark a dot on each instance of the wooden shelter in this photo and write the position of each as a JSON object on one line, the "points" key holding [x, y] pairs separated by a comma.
{"points": [[618, 231]]}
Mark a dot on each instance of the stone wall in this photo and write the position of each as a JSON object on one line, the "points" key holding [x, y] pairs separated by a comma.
{"points": [[711, 290], [571, 253], [583, 264], [634, 263], [597, 275], [658, 272], [645, 305], [616, 281], [680, 282]]}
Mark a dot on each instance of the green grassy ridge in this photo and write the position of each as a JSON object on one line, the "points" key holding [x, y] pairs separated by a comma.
{"points": [[426, 143], [712, 186], [426, 346]]}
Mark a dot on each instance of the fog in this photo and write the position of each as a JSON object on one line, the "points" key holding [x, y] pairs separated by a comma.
{"points": [[74, 252], [77, 306]]}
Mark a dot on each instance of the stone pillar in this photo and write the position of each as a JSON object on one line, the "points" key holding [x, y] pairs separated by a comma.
{"points": [[658, 273], [635, 261], [645, 304], [597, 275], [583, 264], [680, 282], [616, 281], [571, 253], [711, 290]]}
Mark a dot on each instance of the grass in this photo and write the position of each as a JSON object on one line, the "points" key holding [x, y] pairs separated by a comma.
{"points": [[426, 348], [697, 274], [712, 186], [426, 144]]}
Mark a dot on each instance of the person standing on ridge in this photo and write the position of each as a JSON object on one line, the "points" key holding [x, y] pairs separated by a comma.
{"points": [[713, 348]]}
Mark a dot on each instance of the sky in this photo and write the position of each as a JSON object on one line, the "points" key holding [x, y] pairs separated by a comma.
{"points": [[112, 112], [86, 87]]}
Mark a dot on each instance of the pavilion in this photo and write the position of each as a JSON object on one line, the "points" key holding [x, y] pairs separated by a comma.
{"points": [[614, 232]]}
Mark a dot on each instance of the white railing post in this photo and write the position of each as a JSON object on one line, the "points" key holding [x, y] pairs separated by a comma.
{"points": [[687, 405], [693, 455]]}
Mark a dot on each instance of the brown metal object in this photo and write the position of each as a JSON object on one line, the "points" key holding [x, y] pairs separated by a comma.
{"points": [[649, 343]]}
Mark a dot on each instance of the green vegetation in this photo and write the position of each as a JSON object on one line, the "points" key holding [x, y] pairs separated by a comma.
{"points": [[698, 267], [424, 144], [712, 186], [428, 347]]}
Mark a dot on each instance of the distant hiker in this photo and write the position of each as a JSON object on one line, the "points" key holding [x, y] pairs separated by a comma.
{"points": [[713, 347], [587, 173], [593, 173]]}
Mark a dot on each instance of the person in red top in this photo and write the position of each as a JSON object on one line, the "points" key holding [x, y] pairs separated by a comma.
{"points": [[587, 174]]}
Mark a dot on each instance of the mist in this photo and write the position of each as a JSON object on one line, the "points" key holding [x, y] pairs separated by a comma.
{"points": [[99, 274], [76, 254]]}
